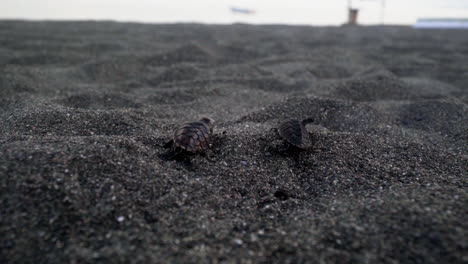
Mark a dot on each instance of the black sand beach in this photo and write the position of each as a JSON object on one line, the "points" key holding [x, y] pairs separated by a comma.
{"points": [[85, 108]]}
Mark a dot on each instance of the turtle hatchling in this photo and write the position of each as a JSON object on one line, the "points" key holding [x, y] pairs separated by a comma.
{"points": [[294, 133], [192, 137]]}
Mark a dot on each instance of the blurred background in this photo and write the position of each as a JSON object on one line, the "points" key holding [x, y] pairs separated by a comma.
{"points": [[309, 12]]}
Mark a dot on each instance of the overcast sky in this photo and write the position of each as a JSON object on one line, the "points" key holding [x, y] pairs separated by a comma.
{"points": [[317, 12]]}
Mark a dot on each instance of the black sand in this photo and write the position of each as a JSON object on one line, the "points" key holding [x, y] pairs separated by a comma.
{"points": [[85, 108]]}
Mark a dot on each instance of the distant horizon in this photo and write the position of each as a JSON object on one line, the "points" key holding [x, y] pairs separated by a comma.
{"points": [[263, 12], [194, 22]]}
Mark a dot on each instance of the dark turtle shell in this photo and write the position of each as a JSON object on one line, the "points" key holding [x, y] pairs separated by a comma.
{"points": [[194, 136], [295, 133]]}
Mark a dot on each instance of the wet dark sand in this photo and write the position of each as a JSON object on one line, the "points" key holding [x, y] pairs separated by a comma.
{"points": [[85, 108]]}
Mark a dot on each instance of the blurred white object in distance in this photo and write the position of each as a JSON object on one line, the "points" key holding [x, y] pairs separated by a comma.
{"points": [[441, 23], [244, 11]]}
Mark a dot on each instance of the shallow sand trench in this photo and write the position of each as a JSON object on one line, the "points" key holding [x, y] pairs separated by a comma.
{"points": [[85, 108]]}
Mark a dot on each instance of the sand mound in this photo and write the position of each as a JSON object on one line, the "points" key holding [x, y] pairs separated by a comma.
{"points": [[72, 123], [335, 115], [98, 101], [185, 53], [443, 117]]}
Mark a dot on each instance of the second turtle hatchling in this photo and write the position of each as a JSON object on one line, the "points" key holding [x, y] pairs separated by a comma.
{"points": [[192, 137], [295, 133]]}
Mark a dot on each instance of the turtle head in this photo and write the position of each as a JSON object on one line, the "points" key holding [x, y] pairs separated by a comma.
{"points": [[207, 120]]}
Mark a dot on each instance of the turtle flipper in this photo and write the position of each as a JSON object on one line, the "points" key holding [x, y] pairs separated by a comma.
{"points": [[168, 156], [169, 144]]}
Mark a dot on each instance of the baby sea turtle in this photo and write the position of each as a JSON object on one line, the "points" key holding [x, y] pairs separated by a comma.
{"points": [[192, 137], [294, 133]]}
